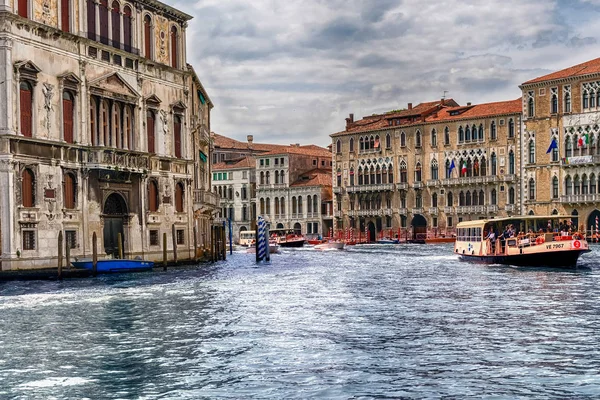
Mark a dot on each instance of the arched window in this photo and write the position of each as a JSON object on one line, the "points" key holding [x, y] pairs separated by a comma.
{"points": [[403, 172], [351, 145], [481, 197], [568, 147], [384, 174], [177, 136], [174, 50], [433, 137], [262, 206], [555, 188], [493, 134], [282, 177], [568, 185], [147, 36], [461, 134], [282, 206], [584, 184], [434, 200], [152, 196], [150, 131], [511, 162], [530, 107], [391, 174], [276, 177], [300, 205], [531, 189], [128, 128], [468, 198], [461, 198], [93, 121], [593, 184], [467, 134], [449, 199], [27, 188], [418, 200], [105, 123], [388, 141], [70, 199], [475, 198], [567, 102], [315, 204], [434, 169], [494, 200], [24, 8], [511, 195], [65, 15], [91, 19], [268, 178], [26, 109], [511, 128], [362, 144], [116, 24], [339, 177], [482, 167], [309, 204], [418, 172], [531, 152], [446, 135], [268, 206], [448, 170], [576, 185], [103, 11], [115, 137], [127, 20], [480, 132], [586, 100], [554, 103], [494, 163], [338, 146], [179, 197], [276, 202], [418, 139], [402, 139], [67, 103], [371, 142]]}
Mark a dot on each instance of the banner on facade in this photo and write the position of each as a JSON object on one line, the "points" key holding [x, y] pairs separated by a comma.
{"points": [[577, 160]]}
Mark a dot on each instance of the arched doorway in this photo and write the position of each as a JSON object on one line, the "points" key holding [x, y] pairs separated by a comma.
{"points": [[371, 232], [115, 211], [419, 225], [280, 226], [593, 224], [297, 228]]}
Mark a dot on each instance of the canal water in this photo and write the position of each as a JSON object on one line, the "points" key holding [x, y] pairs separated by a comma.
{"points": [[373, 321]]}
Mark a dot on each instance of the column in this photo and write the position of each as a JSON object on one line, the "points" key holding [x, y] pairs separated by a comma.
{"points": [[6, 86], [8, 209]]}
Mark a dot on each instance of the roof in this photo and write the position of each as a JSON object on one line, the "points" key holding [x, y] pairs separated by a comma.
{"points": [[309, 150], [229, 143], [478, 111], [314, 177], [240, 163], [481, 222], [588, 67]]}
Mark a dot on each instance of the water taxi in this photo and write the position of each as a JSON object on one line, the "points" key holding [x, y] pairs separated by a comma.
{"points": [[287, 237], [247, 238], [521, 241]]}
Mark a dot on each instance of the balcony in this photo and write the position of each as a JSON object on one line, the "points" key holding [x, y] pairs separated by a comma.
{"points": [[337, 189], [205, 198], [312, 215], [492, 208], [433, 210], [418, 210], [509, 208], [266, 186], [433, 182], [380, 187], [510, 178], [117, 159], [402, 186], [470, 180], [340, 214], [448, 210], [418, 185], [470, 209], [580, 198], [403, 211], [351, 213], [387, 211]]}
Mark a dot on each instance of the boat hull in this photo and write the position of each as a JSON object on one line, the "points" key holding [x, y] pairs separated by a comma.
{"points": [[292, 243], [108, 266], [563, 259], [330, 246]]}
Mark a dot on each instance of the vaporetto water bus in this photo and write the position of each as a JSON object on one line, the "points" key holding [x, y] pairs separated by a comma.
{"points": [[521, 241]]}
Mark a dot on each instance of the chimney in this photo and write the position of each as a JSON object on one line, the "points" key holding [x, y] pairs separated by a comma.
{"points": [[350, 121], [468, 104], [410, 106], [443, 101], [250, 139]]}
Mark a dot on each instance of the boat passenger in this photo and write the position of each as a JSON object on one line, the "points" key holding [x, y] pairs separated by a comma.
{"points": [[492, 238]]}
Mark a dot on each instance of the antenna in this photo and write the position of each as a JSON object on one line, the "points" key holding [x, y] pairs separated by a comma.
{"points": [[444, 96]]}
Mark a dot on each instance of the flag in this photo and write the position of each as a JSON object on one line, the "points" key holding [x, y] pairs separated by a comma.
{"points": [[583, 140], [452, 166], [463, 171], [553, 145]]}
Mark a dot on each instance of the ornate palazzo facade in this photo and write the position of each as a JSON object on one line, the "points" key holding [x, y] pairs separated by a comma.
{"points": [[103, 129], [426, 168]]}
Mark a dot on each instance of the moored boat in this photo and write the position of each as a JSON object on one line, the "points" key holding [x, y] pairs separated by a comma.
{"points": [[117, 265], [435, 240], [314, 242], [287, 237], [331, 245], [531, 242]]}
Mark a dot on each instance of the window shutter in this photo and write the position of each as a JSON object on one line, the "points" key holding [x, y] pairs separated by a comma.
{"points": [[177, 134], [26, 114], [68, 120], [150, 132]]}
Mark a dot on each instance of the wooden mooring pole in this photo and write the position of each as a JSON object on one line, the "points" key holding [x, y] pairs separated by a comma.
{"points": [[174, 237], [60, 254], [164, 251], [94, 254], [68, 254], [195, 244], [120, 245]]}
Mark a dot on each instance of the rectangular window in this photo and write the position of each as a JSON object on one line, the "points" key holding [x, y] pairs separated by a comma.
{"points": [[322, 163], [267, 162], [315, 162], [281, 161], [71, 239], [244, 174], [277, 161], [230, 175], [214, 176], [262, 162], [154, 238], [180, 237], [29, 240]]}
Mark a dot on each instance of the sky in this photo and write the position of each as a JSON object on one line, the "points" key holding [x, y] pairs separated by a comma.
{"points": [[291, 71]]}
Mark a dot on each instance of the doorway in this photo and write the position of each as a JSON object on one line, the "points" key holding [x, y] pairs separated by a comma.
{"points": [[419, 225], [371, 232], [115, 211]]}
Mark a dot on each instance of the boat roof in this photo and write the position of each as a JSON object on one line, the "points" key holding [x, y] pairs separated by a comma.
{"points": [[481, 222]]}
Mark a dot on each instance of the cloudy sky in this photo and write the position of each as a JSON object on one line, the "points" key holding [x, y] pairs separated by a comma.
{"points": [[291, 71]]}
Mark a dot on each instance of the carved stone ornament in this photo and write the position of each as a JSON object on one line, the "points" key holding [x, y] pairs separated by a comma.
{"points": [[48, 91], [164, 120]]}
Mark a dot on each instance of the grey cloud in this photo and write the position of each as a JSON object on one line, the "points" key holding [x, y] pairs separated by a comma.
{"points": [[581, 42]]}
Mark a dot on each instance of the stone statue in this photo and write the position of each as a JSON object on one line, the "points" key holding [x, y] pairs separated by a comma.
{"points": [[163, 119], [48, 91]]}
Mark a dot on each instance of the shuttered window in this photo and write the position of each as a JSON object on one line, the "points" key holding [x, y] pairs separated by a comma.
{"points": [[69, 191], [116, 24], [91, 19], [179, 197], [65, 15], [103, 6], [127, 28], [68, 117], [150, 131], [26, 109], [174, 47], [153, 196], [147, 36], [177, 135], [24, 8], [27, 192]]}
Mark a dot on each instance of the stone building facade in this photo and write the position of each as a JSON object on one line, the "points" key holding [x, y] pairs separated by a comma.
{"points": [[563, 107], [423, 169], [97, 124]]}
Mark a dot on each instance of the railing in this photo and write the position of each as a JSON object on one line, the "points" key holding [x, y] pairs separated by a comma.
{"points": [[117, 159], [418, 210], [433, 182], [263, 186], [203, 197], [340, 214], [510, 178], [509, 208], [402, 186], [337, 189], [470, 209], [448, 210], [370, 188], [418, 185], [492, 208], [403, 211], [433, 210], [470, 180], [581, 198]]}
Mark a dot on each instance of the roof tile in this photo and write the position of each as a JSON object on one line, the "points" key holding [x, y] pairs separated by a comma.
{"points": [[588, 67]]}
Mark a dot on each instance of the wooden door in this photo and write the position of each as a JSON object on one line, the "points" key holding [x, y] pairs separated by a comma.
{"points": [[26, 108], [150, 132], [68, 119], [65, 11]]}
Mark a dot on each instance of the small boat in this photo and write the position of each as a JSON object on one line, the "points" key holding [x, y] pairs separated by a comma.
{"points": [[387, 241], [107, 266], [273, 248], [333, 245], [287, 237], [436, 240], [314, 242], [545, 243]]}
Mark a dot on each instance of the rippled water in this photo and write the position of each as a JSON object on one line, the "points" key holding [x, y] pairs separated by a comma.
{"points": [[396, 321]]}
